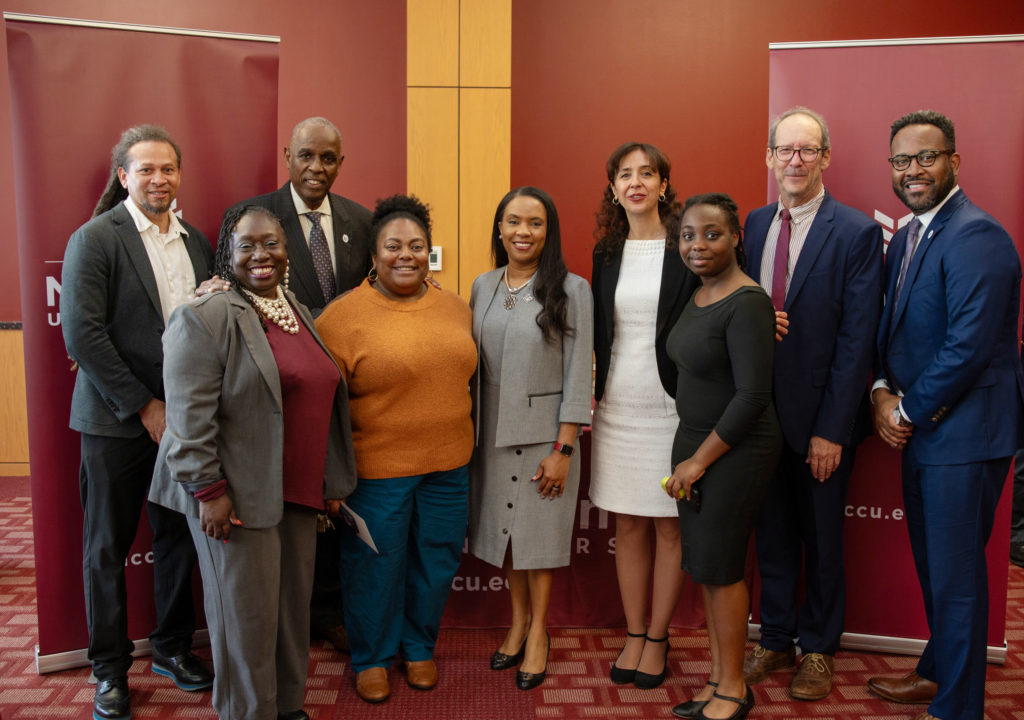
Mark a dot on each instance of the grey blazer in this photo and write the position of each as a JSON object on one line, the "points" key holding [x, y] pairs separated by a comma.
{"points": [[224, 413], [112, 321], [542, 385]]}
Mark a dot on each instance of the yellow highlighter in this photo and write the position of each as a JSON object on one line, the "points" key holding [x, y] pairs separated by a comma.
{"points": [[664, 486]]}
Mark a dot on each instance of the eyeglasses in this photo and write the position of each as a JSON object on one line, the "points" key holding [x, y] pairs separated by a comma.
{"points": [[807, 154], [925, 158]]}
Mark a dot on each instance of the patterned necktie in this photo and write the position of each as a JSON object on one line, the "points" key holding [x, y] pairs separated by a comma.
{"points": [[781, 268], [908, 255], [321, 257]]}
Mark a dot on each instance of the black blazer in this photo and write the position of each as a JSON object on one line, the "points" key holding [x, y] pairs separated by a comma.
{"points": [[678, 284], [113, 323], [352, 257]]}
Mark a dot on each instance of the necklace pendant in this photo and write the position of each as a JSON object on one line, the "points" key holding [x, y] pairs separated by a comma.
{"points": [[510, 301]]}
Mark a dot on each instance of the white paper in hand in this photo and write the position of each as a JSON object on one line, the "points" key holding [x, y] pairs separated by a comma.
{"points": [[358, 526]]}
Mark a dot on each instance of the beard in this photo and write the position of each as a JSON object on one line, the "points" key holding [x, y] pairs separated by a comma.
{"points": [[159, 209], [939, 190]]}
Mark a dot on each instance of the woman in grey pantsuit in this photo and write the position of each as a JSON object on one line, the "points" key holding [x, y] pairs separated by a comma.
{"points": [[533, 326], [258, 436]]}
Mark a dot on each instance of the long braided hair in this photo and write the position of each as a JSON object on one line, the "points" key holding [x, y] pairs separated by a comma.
{"points": [[114, 192], [222, 257]]}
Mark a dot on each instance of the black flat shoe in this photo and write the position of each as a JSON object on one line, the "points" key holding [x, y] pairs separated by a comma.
{"points": [[501, 661], [186, 670], [646, 681], [297, 715], [618, 675], [528, 681], [112, 701], [690, 708], [745, 706]]}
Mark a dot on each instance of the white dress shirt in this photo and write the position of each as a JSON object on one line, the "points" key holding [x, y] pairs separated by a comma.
{"points": [[172, 266], [326, 221], [925, 219], [801, 218]]}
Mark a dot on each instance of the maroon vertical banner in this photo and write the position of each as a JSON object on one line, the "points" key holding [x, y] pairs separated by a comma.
{"points": [[861, 87], [75, 85]]}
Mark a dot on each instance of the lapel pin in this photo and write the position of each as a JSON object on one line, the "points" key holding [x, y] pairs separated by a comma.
{"points": [[344, 238], [930, 233], [528, 298]]}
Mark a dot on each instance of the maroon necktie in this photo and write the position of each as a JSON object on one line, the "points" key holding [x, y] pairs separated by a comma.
{"points": [[781, 268]]}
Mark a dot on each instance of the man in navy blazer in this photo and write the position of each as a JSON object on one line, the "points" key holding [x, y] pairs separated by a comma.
{"points": [[948, 391], [821, 262]]}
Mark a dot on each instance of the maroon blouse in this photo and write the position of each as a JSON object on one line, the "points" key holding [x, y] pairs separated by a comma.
{"points": [[309, 379]]}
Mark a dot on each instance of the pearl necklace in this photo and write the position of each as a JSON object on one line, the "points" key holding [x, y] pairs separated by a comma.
{"points": [[278, 310]]}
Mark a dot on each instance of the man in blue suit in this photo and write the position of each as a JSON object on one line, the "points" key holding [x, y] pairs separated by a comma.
{"points": [[821, 262], [948, 391]]}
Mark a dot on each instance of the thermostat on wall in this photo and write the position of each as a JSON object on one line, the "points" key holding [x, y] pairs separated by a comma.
{"points": [[435, 258]]}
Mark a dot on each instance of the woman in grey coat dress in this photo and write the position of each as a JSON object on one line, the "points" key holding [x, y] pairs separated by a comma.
{"points": [[533, 326]]}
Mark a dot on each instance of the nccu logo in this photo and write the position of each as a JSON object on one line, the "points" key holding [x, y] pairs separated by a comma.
{"points": [[875, 513], [887, 222]]}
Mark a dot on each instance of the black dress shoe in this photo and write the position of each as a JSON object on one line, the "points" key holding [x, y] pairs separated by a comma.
{"points": [[297, 715], [646, 681], [185, 670], [690, 708], [112, 701], [745, 706], [1017, 553], [501, 661], [528, 681], [618, 675]]}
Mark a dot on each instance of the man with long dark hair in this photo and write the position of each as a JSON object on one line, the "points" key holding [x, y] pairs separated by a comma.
{"points": [[124, 272]]}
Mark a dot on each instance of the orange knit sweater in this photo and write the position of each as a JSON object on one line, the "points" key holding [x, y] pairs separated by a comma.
{"points": [[408, 367]]}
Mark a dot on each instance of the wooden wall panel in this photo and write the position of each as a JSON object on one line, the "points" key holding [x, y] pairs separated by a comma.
{"points": [[432, 43], [486, 43], [485, 151], [433, 169], [13, 417]]}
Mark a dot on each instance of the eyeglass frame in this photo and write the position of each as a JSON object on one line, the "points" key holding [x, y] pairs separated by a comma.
{"points": [[817, 151], [917, 157]]}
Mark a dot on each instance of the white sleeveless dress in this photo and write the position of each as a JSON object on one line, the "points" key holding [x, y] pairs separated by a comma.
{"points": [[635, 422]]}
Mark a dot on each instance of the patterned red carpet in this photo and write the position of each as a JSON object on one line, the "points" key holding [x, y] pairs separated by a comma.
{"points": [[577, 685]]}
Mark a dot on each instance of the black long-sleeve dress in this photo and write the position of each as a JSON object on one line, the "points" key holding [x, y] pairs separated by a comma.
{"points": [[724, 353]]}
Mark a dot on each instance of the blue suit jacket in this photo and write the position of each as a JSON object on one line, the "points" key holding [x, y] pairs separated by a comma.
{"points": [[823, 366], [952, 345]]}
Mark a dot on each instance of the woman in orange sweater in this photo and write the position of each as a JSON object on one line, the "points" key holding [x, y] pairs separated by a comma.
{"points": [[406, 350]]}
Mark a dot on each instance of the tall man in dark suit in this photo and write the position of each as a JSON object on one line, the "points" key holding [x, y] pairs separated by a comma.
{"points": [[124, 272], [948, 391], [328, 254], [821, 262]]}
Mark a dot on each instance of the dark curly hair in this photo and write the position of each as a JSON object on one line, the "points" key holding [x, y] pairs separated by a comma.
{"points": [[549, 285], [732, 215], [612, 225], [395, 207], [115, 192], [222, 257], [927, 117]]}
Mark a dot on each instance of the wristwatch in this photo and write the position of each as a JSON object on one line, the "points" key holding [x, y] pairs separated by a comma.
{"points": [[897, 417], [566, 450]]}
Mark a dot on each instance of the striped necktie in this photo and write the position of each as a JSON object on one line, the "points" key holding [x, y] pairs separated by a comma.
{"points": [[908, 255]]}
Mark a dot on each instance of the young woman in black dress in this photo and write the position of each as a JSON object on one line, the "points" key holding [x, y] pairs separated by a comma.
{"points": [[729, 439]]}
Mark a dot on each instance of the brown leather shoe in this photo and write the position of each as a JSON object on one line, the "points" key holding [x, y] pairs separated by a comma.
{"points": [[337, 637], [760, 663], [421, 675], [813, 681], [372, 685], [911, 689]]}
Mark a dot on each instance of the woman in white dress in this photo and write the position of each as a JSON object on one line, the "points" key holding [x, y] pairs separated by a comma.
{"points": [[640, 287]]}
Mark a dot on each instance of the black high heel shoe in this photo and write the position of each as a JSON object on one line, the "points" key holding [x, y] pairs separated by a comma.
{"points": [[690, 708], [618, 675], [646, 681], [501, 661], [745, 706], [528, 681]]}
